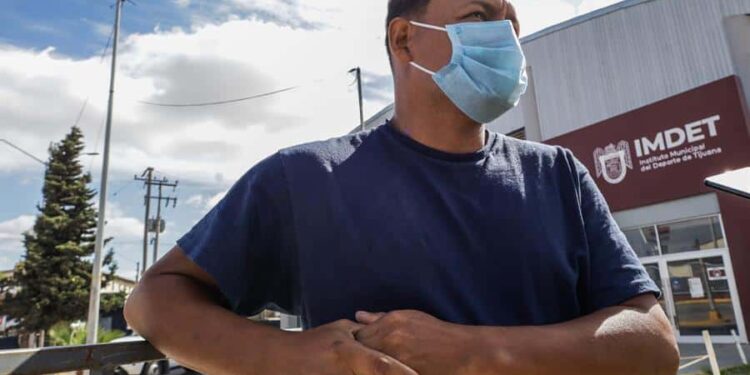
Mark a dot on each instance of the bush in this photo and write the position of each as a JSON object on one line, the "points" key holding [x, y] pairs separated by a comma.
{"points": [[739, 370], [67, 334]]}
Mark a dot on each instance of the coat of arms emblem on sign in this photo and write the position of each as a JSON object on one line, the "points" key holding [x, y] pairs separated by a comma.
{"points": [[612, 162]]}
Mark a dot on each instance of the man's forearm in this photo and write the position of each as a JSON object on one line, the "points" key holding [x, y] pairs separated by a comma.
{"points": [[617, 340], [200, 334]]}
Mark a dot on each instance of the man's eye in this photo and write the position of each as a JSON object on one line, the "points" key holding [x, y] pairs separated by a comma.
{"points": [[478, 16]]}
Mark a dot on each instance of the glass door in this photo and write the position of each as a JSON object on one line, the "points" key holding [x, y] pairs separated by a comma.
{"points": [[702, 297], [654, 273], [689, 261]]}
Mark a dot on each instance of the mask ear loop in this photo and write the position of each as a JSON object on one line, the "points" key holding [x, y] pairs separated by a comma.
{"points": [[426, 26], [420, 67]]}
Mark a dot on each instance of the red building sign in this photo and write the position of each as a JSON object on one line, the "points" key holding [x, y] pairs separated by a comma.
{"points": [[665, 150]]}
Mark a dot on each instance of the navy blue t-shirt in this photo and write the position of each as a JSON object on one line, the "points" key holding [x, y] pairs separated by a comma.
{"points": [[514, 234]]}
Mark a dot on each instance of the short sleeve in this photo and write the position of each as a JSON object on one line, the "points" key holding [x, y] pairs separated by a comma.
{"points": [[615, 274], [245, 242]]}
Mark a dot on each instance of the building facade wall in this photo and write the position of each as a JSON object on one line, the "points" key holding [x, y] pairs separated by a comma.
{"points": [[638, 52]]}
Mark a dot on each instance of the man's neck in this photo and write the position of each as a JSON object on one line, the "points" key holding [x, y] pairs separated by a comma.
{"points": [[443, 130]]}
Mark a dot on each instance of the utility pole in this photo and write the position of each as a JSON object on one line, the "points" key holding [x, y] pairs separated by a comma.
{"points": [[358, 72], [92, 326], [137, 271], [149, 174], [154, 225], [158, 225]]}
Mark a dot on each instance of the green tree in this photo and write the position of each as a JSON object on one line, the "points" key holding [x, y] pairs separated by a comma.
{"points": [[66, 334], [112, 301], [51, 284]]}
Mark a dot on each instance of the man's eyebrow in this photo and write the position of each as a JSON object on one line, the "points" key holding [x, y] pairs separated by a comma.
{"points": [[487, 7]]}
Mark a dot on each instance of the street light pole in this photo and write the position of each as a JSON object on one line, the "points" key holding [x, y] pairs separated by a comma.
{"points": [[92, 325], [358, 73], [359, 95]]}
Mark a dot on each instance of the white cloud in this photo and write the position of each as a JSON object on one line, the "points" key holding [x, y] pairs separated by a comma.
{"points": [[195, 201], [100, 28], [120, 226], [13, 229], [11, 237], [182, 3], [176, 66], [205, 203], [124, 229], [214, 200]]}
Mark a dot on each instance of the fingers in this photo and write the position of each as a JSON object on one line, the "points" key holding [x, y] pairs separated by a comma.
{"points": [[347, 326], [368, 335], [364, 361], [365, 317]]}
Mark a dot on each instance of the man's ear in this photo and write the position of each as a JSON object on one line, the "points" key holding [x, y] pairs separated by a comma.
{"points": [[398, 39]]}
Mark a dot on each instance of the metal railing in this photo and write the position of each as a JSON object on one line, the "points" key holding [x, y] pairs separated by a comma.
{"points": [[100, 359]]}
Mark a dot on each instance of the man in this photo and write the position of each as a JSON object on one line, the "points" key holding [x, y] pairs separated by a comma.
{"points": [[426, 246]]}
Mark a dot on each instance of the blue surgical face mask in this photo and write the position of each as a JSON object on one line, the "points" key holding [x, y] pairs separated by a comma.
{"points": [[487, 72]]}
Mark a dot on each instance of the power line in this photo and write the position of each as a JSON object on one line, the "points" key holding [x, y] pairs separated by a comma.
{"points": [[237, 100], [182, 182], [125, 186], [222, 102], [22, 151], [128, 258], [106, 46], [96, 145], [80, 113]]}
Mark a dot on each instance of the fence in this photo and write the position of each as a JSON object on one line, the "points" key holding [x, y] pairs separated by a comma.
{"points": [[101, 359], [710, 355]]}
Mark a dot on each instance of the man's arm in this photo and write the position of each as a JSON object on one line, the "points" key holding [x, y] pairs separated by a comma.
{"points": [[178, 308], [632, 338]]}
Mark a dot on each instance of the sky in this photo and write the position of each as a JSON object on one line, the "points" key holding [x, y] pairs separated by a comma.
{"points": [[54, 62]]}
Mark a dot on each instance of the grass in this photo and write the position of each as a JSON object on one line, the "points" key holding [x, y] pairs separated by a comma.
{"points": [[739, 370]]}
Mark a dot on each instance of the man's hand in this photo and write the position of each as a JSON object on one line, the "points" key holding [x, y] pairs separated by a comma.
{"points": [[420, 341], [330, 350], [634, 337]]}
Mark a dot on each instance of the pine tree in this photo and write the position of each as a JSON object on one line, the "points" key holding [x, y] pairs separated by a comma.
{"points": [[51, 284]]}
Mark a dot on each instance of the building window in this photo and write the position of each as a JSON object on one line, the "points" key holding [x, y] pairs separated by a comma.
{"points": [[643, 241], [677, 237], [691, 235]]}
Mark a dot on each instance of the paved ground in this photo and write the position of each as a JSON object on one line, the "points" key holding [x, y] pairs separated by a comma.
{"points": [[726, 354]]}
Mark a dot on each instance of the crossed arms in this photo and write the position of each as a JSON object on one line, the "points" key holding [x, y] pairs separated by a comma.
{"points": [[178, 308]]}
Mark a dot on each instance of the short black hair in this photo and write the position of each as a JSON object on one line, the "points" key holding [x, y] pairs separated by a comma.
{"points": [[402, 8]]}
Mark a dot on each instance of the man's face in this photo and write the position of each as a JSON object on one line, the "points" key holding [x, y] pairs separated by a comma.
{"points": [[433, 48]]}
